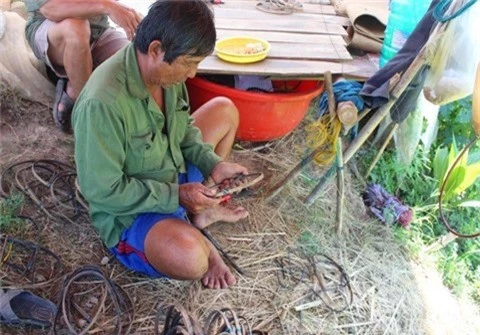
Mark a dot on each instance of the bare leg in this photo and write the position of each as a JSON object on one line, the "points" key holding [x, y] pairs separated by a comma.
{"points": [[180, 251], [69, 46], [218, 121]]}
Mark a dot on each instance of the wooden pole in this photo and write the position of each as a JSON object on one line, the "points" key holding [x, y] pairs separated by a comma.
{"points": [[330, 96], [374, 121], [392, 131], [292, 174], [331, 109], [340, 187], [322, 182], [297, 169], [441, 242], [383, 111], [347, 113]]}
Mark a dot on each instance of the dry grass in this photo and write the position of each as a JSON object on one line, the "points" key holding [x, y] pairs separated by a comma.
{"points": [[385, 298]]}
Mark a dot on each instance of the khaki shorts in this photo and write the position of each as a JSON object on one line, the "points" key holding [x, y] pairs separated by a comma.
{"points": [[105, 46]]}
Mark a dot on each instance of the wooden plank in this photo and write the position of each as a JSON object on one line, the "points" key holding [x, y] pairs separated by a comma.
{"points": [[363, 67], [245, 13], [311, 27], [142, 7], [273, 36], [306, 51], [283, 68], [307, 8]]}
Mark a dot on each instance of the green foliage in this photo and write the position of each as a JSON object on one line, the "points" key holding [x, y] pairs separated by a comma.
{"points": [[418, 185], [413, 184], [455, 121], [9, 223], [462, 176]]}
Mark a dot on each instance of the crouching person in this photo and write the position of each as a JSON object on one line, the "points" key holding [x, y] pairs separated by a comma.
{"points": [[141, 157]]}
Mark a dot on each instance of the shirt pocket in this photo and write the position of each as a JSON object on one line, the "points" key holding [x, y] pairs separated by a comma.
{"points": [[182, 115], [141, 153]]}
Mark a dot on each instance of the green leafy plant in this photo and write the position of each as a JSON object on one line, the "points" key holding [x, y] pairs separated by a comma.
{"points": [[9, 223], [462, 176]]}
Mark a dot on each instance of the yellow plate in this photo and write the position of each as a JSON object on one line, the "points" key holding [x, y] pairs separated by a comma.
{"points": [[242, 49]]}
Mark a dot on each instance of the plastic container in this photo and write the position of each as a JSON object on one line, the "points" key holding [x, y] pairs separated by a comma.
{"points": [[402, 20], [236, 49], [263, 116]]}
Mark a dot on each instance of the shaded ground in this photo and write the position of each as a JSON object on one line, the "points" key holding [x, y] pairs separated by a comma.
{"points": [[275, 293]]}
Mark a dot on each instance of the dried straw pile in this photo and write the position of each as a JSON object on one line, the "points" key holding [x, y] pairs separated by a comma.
{"points": [[385, 299]]}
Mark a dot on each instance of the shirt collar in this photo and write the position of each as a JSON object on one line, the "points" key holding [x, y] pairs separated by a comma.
{"points": [[135, 84]]}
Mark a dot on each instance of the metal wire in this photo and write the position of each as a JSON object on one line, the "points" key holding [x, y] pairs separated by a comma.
{"points": [[226, 321], [22, 257], [50, 185], [338, 285], [327, 279], [176, 320], [112, 293]]}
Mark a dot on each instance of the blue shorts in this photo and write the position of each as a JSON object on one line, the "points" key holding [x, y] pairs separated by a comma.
{"points": [[130, 250]]}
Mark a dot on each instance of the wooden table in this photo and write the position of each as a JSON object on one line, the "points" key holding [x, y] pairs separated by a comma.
{"points": [[304, 44]]}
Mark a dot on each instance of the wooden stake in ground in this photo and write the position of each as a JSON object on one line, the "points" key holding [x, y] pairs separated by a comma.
{"points": [[340, 187], [381, 113], [298, 168], [333, 115]]}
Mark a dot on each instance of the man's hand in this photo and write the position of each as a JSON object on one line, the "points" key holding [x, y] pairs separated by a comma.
{"points": [[225, 170], [195, 197], [126, 17]]}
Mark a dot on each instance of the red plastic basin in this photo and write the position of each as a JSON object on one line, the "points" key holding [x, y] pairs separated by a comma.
{"points": [[263, 116]]}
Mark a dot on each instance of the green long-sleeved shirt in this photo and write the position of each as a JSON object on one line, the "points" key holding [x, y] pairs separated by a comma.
{"points": [[125, 164]]}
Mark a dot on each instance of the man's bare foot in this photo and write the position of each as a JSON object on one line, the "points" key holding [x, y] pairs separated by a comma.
{"points": [[218, 274], [219, 213]]}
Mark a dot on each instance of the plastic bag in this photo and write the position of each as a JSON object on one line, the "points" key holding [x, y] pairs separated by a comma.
{"points": [[430, 122], [408, 135], [455, 59]]}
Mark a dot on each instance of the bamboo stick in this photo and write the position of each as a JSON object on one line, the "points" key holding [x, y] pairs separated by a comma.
{"points": [[374, 121], [340, 187], [392, 131], [383, 111], [296, 170], [347, 113], [331, 109], [330, 96], [323, 181], [441, 242], [292, 174], [397, 90]]}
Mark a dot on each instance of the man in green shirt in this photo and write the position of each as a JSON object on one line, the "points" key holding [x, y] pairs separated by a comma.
{"points": [[72, 37], [141, 156]]}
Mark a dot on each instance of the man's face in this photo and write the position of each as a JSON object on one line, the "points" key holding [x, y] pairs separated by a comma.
{"points": [[183, 67]]}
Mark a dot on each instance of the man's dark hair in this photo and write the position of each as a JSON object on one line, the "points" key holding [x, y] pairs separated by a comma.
{"points": [[184, 27]]}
